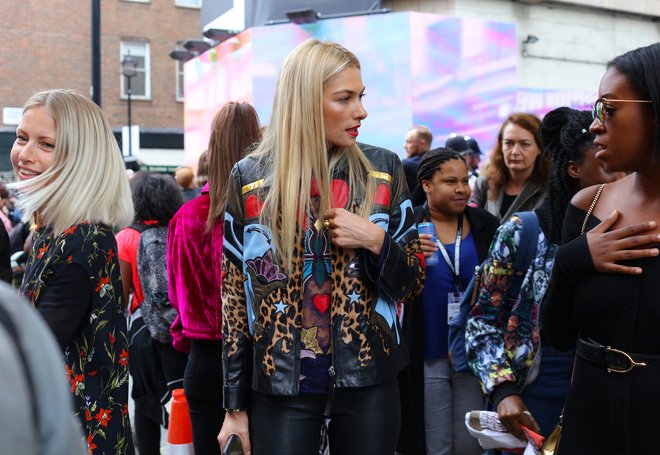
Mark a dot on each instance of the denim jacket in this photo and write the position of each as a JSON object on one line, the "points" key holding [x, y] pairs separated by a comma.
{"points": [[502, 334], [262, 304]]}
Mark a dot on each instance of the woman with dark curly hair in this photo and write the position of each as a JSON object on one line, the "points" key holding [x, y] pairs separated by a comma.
{"points": [[524, 378], [517, 173], [156, 367]]}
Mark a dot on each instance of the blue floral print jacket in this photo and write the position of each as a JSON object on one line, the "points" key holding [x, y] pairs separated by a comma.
{"points": [[262, 304], [502, 335]]}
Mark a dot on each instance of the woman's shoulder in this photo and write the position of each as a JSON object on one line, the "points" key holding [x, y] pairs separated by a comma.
{"points": [[481, 184], [88, 231], [87, 244], [510, 229], [252, 166], [585, 197], [508, 236], [481, 215], [194, 211], [87, 238], [379, 156]]}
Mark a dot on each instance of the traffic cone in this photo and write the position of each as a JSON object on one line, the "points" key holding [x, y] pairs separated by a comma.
{"points": [[179, 435]]}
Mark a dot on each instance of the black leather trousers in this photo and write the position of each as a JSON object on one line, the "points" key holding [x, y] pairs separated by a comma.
{"points": [[363, 421]]}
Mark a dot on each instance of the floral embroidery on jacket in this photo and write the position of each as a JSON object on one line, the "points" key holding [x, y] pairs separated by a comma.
{"points": [[502, 334], [96, 359]]}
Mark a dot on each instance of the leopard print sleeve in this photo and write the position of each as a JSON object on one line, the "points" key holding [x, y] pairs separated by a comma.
{"points": [[237, 344]]}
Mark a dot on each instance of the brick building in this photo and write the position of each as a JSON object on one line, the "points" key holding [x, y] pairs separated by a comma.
{"points": [[48, 45]]}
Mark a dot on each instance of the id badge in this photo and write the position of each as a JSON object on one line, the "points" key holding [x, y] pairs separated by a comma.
{"points": [[453, 305]]}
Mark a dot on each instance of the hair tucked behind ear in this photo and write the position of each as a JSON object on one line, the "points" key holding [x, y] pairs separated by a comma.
{"points": [[565, 135]]}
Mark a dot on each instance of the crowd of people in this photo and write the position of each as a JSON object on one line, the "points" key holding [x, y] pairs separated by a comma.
{"points": [[289, 292]]}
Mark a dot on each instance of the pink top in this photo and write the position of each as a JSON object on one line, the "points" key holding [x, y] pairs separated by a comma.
{"points": [[127, 246], [194, 272]]}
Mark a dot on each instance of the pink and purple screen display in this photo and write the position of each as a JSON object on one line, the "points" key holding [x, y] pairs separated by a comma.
{"points": [[453, 75]]}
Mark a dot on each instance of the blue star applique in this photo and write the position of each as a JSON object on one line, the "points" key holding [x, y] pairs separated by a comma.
{"points": [[354, 296], [280, 307]]}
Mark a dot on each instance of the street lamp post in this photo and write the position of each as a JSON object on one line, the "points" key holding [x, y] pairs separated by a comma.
{"points": [[128, 69]]}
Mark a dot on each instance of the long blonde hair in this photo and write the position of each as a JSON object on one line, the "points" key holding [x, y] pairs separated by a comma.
{"points": [[87, 179], [295, 147]]}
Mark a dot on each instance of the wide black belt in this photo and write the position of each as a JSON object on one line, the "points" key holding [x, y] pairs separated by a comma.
{"points": [[615, 360]]}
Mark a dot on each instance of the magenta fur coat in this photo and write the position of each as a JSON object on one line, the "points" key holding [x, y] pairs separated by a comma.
{"points": [[194, 268]]}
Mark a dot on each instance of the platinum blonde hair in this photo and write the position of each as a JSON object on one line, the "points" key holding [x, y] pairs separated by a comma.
{"points": [[295, 148], [87, 180]]}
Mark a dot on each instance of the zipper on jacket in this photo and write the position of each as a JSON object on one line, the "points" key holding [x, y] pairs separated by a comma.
{"points": [[331, 392]]}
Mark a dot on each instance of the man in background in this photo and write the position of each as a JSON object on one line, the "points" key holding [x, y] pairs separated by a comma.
{"points": [[185, 176], [418, 142], [473, 159], [470, 151]]}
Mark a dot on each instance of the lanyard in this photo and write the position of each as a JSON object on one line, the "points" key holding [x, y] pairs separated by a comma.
{"points": [[456, 266]]}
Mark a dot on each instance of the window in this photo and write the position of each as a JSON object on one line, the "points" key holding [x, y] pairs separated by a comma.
{"points": [[140, 83], [179, 80], [188, 3]]}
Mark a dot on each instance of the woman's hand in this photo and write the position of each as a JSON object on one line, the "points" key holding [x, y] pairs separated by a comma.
{"points": [[429, 247], [621, 244], [512, 412], [235, 423], [349, 230]]}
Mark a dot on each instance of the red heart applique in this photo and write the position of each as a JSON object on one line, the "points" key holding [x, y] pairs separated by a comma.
{"points": [[253, 206], [340, 193], [382, 195], [422, 260], [322, 302]]}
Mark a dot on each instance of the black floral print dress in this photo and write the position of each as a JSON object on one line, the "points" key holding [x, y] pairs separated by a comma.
{"points": [[95, 342]]}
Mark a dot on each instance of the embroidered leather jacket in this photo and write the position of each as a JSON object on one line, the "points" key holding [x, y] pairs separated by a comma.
{"points": [[262, 318]]}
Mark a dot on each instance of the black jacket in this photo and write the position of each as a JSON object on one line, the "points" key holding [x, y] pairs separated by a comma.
{"points": [[411, 380], [261, 347]]}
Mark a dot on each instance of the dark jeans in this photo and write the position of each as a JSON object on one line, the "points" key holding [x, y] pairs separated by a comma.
{"points": [[363, 421], [546, 395], [202, 384]]}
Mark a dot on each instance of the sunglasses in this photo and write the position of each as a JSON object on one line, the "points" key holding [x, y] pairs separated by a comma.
{"points": [[600, 106]]}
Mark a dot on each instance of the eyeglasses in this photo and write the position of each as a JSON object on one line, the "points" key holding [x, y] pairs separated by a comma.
{"points": [[600, 106]]}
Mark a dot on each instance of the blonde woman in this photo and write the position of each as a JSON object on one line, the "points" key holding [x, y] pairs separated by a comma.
{"points": [[319, 244], [73, 186]]}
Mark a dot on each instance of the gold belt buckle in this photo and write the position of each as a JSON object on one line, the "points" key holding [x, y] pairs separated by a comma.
{"points": [[632, 363]]}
